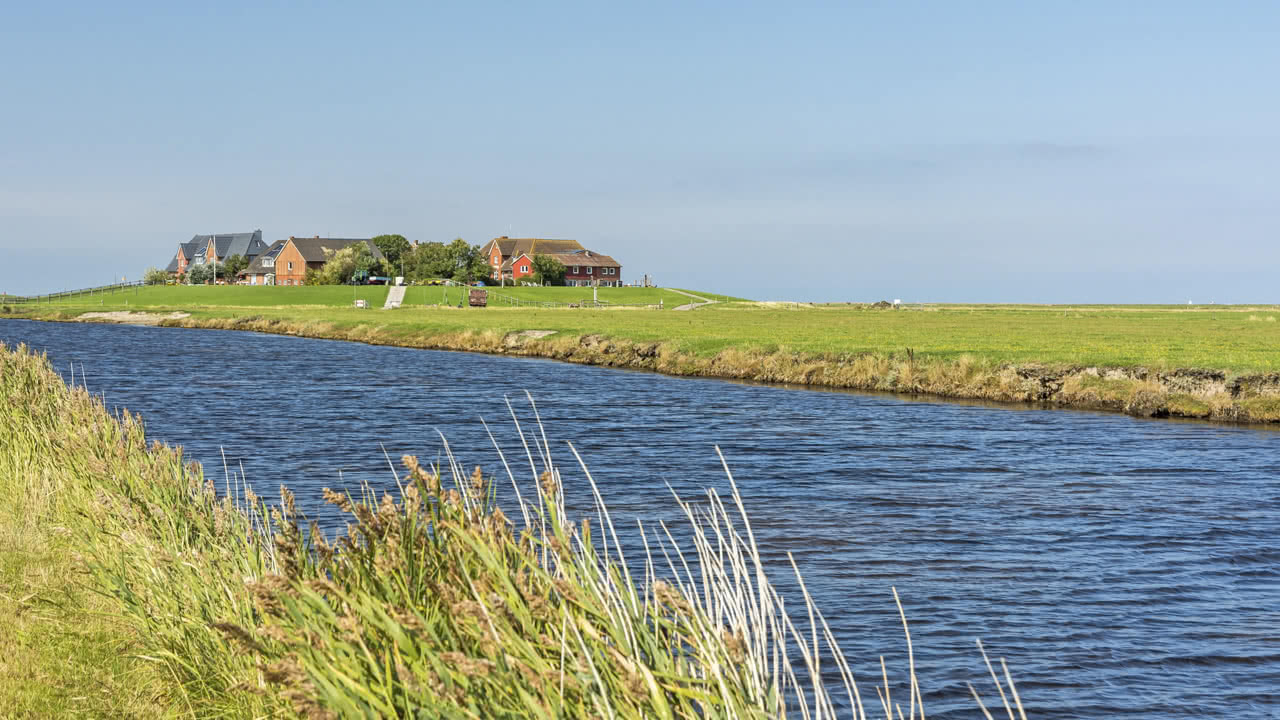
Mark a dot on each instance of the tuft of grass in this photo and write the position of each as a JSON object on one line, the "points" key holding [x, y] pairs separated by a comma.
{"points": [[1185, 405], [433, 602], [1262, 408]]}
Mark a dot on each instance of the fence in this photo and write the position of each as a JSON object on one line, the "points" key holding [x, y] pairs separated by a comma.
{"points": [[67, 294], [497, 298]]}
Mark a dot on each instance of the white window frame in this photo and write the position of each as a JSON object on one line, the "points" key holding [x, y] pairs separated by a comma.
{"points": [[575, 269], [524, 268], [589, 269]]}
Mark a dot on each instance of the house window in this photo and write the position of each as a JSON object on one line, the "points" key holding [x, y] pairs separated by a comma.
{"points": [[290, 264], [589, 271], [268, 262], [575, 269], [524, 268]]}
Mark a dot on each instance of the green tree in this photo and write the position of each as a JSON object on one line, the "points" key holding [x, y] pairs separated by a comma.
{"points": [[467, 263], [200, 274], [155, 276], [427, 261], [394, 247], [229, 268], [341, 265], [548, 270]]}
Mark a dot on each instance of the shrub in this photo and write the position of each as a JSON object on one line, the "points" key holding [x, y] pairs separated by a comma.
{"points": [[200, 274], [155, 276]]}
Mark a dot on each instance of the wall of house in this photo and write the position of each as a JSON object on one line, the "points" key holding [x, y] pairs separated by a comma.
{"points": [[582, 277], [521, 267], [291, 269], [495, 258]]}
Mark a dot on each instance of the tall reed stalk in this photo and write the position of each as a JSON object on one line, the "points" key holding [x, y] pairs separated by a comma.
{"points": [[433, 602]]}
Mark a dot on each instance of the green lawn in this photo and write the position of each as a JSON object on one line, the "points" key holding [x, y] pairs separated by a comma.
{"points": [[1232, 338], [181, 296]]}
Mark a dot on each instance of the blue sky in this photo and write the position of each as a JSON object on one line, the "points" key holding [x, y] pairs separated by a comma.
{"points": [[978, 151]]}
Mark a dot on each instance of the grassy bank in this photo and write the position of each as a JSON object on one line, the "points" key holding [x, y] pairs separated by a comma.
{"points": [[174, 600], [1209, 362]]}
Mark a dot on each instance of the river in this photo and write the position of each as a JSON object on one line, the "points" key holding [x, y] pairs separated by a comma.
{"points": [[1124, 567]]}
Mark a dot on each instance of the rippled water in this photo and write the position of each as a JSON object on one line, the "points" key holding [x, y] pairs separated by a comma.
{"points": [[1124, 567]]}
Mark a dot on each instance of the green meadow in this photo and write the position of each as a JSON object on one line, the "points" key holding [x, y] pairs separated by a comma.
{"points": [[1230, 338], [243, 296]]}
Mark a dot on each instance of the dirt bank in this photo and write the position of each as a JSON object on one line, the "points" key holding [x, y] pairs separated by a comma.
{"points": [[1200, 393], [126, 317]]}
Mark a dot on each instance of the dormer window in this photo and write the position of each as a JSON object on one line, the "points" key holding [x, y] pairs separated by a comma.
{"points": [[268, 262]]}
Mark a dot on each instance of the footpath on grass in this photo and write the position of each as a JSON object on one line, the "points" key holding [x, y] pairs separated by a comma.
{"points": [[1213, 363]]}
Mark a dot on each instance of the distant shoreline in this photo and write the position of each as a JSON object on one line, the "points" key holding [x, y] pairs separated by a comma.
{"points": [[1192, 393]]}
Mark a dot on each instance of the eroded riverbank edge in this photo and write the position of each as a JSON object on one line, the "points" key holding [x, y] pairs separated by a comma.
{"points": [[1193, 393]]}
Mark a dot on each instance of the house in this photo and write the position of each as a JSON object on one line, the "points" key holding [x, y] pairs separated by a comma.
{"points": [[297, 255], [262, 271], [581, 269], [512, 259], [216, 249], [186, 254]]}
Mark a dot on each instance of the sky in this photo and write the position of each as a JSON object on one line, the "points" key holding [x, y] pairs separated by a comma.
{"points": [[1055, 152]]}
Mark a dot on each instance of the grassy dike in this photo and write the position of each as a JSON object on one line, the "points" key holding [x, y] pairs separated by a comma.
{"points": [[1207, 362], [140, 591]]}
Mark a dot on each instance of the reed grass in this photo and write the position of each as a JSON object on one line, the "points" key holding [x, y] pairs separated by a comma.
{"points": [[433, 602]]}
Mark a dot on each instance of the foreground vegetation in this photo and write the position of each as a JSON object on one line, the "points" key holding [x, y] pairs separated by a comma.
{"points": [[1210, 362], [171, 599]]}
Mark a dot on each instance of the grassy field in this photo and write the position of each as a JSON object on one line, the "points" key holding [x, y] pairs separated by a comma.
{"points": [[1232, 338], [1130, 358], [241, 296]]}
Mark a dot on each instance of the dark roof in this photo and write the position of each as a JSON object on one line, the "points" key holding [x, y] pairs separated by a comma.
{"points": [[256, 267], [189, 249], [172, 267], [313, 248], [248, 244], [512, 247]]}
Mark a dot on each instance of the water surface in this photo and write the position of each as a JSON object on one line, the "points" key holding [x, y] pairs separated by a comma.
{"points": [[1125, 567]]}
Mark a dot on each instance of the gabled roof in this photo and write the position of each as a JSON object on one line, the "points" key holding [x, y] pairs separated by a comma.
{"points": [[189, 249], [582, 258], [585, 258], [256, 267], [172, 267], [248, 244], [512, 247], [313, 248]]}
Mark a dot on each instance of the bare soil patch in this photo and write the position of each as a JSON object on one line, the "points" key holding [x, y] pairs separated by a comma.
{"points": [[132, 318]]}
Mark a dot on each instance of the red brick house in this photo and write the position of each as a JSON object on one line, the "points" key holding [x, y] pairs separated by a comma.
{"points": [[216, 248], [512, 259], [186, 254], [297, 255], [581, 269]]}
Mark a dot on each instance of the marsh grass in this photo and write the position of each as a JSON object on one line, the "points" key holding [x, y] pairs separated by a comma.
{"points": [[432, 602]]}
